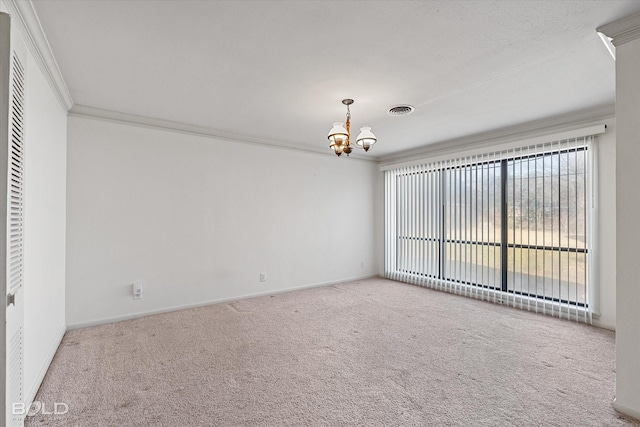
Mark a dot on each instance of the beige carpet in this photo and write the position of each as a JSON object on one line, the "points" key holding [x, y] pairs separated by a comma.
{"points": [[372, 352]]}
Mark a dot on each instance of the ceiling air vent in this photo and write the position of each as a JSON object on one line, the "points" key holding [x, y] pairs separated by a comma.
{"points": [[401, 110]]}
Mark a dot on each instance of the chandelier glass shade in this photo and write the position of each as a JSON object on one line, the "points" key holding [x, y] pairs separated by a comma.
{"points": [[366, 138], [340, 136]]}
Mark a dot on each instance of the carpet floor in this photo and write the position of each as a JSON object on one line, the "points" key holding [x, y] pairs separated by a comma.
{"points": [[371, 352]]}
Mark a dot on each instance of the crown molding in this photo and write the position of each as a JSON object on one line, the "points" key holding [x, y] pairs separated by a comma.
{"points": [[623, 30], [37, 43], [168, 125], [520, 132]]}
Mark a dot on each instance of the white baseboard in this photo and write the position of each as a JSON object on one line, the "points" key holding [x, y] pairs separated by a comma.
{"points": [[603, 325], [114, 319], [635, 413], [28, 398]]}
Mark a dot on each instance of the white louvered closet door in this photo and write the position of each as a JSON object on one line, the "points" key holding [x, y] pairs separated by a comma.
{"points": [[12, 146]]}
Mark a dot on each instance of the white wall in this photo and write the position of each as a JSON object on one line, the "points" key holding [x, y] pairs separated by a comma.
{"points": [[606, 228], [45, 222], [197, 219]]}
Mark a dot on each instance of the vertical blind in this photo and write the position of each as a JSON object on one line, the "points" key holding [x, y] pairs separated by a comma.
{"points": [[510, 226]]}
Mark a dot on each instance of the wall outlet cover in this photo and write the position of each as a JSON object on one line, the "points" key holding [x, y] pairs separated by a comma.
{"points": [[136, 290]]}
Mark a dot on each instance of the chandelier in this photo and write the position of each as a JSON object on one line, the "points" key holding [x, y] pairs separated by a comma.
{"points": [[340, 136]]}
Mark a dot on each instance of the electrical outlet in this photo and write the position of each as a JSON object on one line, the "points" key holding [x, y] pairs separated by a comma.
{"points": [[136, 289], [263, 277]]}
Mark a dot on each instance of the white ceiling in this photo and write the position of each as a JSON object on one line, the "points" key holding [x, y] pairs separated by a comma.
{"points": [[277, 70]]}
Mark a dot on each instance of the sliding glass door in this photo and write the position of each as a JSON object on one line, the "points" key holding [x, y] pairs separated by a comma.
{"points": [[472, 224], [510, 223], [547, 226]]}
